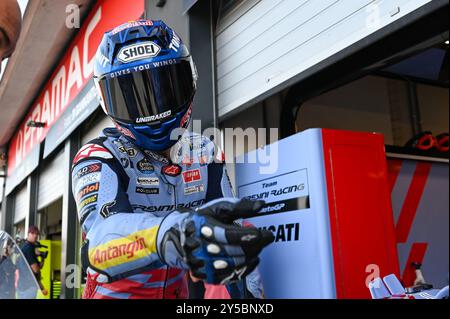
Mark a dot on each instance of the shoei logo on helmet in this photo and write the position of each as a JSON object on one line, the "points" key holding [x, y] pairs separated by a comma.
{"points": [[138, 51]]}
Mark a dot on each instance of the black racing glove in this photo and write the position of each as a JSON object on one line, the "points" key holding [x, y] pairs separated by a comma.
{"points": [[210, 244]]}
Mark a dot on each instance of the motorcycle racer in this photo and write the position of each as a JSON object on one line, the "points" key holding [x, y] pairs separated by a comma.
{"points": [[154, 201]]}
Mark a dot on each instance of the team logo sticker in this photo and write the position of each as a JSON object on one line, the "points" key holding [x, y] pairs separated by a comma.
{"points": [[147, 191], [138, 51], [191, 176]]}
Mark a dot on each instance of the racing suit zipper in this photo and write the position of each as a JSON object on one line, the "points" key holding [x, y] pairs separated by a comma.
{"points": [[167, 267]]}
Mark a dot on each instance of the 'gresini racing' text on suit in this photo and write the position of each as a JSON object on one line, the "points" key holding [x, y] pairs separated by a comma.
{"points": [[123, 194]]}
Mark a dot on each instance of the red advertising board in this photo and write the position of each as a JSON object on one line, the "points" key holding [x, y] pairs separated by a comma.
{"points": [[71, 75]]}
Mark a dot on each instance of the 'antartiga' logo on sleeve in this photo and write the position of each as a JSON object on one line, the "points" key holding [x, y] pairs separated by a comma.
{"points": [[138, 51], [122, 250]]}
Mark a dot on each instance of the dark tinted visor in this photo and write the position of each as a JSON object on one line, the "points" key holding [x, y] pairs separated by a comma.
{"points": [[150, 94]]}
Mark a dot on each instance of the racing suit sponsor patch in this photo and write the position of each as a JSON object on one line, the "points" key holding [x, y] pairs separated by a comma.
{"points": [[88, 189], [105, 210], [88, 179], [191, 176], [145, 167], [88, 200], [168, 208], [157, 157], [125, 162], [148, 191], [194, 189], [148, 181], [85, 212], [171, 170], [126, 249], [131, 152], [92, 150], [88, 170]]}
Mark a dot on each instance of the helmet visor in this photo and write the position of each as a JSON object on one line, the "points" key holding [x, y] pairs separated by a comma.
{"points": [[148, 94]]}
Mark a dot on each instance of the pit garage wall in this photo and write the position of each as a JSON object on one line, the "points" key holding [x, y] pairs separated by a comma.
{"points": [[264, 45], [377, 104], [371, 104]]}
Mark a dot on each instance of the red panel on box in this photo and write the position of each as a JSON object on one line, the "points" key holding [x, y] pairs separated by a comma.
{"points": [[412, 201], [361, 220]]}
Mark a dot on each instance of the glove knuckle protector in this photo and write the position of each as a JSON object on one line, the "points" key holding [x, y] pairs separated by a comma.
{"points": [[214, 249]]}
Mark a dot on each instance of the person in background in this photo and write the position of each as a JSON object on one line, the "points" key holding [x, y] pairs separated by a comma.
{"points": [[10, 25], [31, 252]]}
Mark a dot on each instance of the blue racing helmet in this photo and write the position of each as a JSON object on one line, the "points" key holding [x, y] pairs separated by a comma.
{"points": [[146, 81]]}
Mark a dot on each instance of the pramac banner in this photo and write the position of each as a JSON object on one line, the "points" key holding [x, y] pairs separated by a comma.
{"points": [[70, 77]]}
